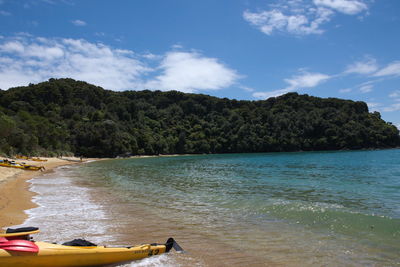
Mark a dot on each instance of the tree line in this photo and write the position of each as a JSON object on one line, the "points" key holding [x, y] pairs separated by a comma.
{"points": [[64, 116]]}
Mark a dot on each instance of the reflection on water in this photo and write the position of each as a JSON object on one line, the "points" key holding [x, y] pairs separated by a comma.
{"points": [[338, 208]]}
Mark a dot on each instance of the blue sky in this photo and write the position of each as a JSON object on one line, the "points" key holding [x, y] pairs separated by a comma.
{"points": [[242, 49]]}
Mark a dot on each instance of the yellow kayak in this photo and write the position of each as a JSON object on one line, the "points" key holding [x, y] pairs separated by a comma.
{"points": [[17, 250], [29, 158], [38, 159], [21, 166]]}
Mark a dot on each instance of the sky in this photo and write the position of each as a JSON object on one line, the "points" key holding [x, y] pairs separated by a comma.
{"points": [[238, 49]]}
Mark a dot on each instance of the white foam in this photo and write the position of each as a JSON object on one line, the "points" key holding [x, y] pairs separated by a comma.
{"points": [[155, 261], [65, 210]]}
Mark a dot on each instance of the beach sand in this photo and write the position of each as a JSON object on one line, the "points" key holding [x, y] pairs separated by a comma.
{"points": [[15, 196]]}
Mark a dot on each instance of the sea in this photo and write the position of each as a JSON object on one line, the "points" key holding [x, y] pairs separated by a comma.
{"points": [[268, 209]]}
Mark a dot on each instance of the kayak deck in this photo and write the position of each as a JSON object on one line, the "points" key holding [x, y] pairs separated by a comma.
{"points": [[53, 255], [17, 250]]}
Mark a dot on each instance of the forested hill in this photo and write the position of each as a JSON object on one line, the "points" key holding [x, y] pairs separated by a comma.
{"points": [[64, 115]]}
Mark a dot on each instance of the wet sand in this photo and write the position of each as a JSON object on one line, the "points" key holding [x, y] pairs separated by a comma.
{"points": [[15, 196]]}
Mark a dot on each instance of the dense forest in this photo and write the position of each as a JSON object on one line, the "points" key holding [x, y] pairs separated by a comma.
{"points": [[64, 116]]}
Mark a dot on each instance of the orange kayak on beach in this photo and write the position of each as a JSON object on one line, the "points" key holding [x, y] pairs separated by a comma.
{"points": [[18, 250]]}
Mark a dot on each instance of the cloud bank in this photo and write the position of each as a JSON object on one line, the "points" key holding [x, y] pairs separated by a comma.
{"points": [[189, 72], [25, 60]]}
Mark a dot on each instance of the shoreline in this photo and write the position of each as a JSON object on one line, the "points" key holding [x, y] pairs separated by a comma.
{"points": [[15, 194]]}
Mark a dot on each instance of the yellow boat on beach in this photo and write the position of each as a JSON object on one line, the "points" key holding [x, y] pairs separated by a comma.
{"points": [[29, 158], [12, 164], [38, 159], [17, 250]]}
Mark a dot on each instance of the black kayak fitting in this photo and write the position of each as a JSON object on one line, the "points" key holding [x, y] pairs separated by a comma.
{"points": [[171, 243], [21, 230], [79, 243]]}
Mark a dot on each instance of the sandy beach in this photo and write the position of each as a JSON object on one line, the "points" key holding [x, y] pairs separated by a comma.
{"points": [[15, 196]]}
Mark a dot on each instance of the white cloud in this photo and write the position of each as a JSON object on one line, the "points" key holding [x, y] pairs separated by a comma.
{"points": [[393, 69], [246, 88], [299, 24], [366, 88], [31, 3], [349, 7], [151, 56], [32, 51], [395, 94], [25, 59], [362, 67], [78, 22], [373, 106], [265, 95], [305, 80], [190, 72], [393, 107], [301, 17], [99, 34], [177, 47], [344, 91], [12, 47]]}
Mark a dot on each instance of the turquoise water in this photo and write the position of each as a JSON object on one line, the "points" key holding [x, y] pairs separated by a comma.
{"points": [[308, 208]]}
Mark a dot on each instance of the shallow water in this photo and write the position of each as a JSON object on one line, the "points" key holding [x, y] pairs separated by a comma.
{"points": [[292, 209]]}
